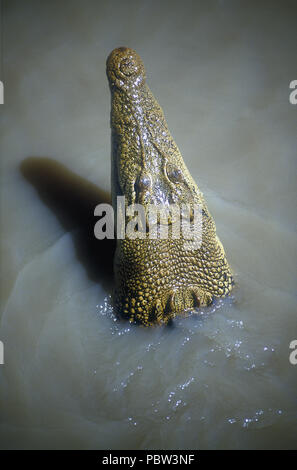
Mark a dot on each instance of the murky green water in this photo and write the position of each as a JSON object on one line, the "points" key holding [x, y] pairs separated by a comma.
{"points": [[74, 376]]}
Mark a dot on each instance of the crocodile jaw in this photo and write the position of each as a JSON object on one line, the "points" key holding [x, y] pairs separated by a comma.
{"points": [[156, 279]]}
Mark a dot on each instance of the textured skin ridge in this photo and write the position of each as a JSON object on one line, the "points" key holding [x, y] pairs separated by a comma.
{"points": [[156, 279]]}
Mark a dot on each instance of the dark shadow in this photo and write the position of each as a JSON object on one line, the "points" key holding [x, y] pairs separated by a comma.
{"points": [[73, 200]]}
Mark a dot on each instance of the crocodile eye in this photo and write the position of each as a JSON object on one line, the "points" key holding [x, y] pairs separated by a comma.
{"points": [[174, 173], [143, 182]]}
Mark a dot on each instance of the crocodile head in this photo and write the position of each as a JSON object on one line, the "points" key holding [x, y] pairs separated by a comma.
{"points": [[155, 279]]}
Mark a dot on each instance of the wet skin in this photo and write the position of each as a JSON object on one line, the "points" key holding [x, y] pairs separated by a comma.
{"points": [[156, 279]]}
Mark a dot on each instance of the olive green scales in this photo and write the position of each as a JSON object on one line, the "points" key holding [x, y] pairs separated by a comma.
{"points": [[156, 279]]}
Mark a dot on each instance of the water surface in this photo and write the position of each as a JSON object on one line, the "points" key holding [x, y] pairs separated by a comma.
{"points": [[74, 376]]}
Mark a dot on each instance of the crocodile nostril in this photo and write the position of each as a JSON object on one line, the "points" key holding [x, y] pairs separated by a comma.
{"points": [[125, 68], [128, 66]]}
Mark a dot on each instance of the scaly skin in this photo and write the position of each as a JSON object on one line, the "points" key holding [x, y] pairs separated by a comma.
{"points": [[156, 279]]}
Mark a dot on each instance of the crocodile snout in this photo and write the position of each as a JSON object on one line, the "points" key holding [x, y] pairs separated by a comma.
{"points": [[125, 69]]}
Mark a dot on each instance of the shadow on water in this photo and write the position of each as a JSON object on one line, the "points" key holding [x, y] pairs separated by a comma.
{"points": [[73, 199]]}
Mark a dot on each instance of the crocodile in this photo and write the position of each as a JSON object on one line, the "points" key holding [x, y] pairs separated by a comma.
{"points": [[156, 279]]}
